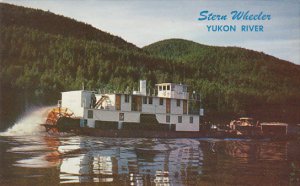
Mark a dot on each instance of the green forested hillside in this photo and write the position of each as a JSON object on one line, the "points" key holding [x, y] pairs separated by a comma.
{"points": [[38, 60], [55, 24], [235, 79]]}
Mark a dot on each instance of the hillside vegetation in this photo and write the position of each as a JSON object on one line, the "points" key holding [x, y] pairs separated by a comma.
{"points": [[55, 24], [42, 54], [235, 79]]}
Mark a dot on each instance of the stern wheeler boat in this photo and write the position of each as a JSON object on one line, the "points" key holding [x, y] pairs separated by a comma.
{"points": [[170, 112]]}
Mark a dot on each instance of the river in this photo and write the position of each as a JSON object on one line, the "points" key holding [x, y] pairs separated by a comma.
{"points": [[29, 156]]}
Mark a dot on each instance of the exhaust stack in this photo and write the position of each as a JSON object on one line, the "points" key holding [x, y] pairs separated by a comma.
{"points": [[143, 87]]}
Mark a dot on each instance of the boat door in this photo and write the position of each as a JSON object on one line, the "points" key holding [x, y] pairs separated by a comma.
{"points": [[136, 103], [118, 102], [168, 105]]}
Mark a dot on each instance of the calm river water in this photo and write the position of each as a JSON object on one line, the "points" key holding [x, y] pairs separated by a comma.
{"points": [[36, 158]]}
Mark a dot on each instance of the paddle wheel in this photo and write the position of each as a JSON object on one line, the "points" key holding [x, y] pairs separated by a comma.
{"points": [[53, 117]]}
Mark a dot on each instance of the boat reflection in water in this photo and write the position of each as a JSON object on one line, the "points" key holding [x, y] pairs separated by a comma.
{"points": [[131, 161], [126, 161], [247, 152]]}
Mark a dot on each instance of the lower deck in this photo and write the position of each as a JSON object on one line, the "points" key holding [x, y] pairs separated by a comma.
{"points": [[108, 119]]}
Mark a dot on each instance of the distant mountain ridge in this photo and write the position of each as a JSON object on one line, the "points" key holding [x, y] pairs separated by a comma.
{"points": [[185, 48], [42, 54]]}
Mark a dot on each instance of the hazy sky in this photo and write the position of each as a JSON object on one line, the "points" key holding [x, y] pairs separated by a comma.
{"points": [[144, 22]]}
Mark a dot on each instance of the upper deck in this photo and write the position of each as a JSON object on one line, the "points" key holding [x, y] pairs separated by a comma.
{"points": [[168, 98]]}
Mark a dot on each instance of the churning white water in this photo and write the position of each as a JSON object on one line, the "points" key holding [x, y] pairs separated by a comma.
{"points": [[29, 123]]}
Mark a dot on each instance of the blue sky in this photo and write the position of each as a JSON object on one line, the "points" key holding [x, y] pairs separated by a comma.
{"points": [[144, 22]]}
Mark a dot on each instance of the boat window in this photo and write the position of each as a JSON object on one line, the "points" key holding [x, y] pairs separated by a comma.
{"points": [[144, 100], [126, 98], [150, 100], [178, 102], [168, 87], [161, 101], [191, 119], [160, 88], [121, 116], [164, 87], [179, 119], [167, 119], [90, 114]]}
